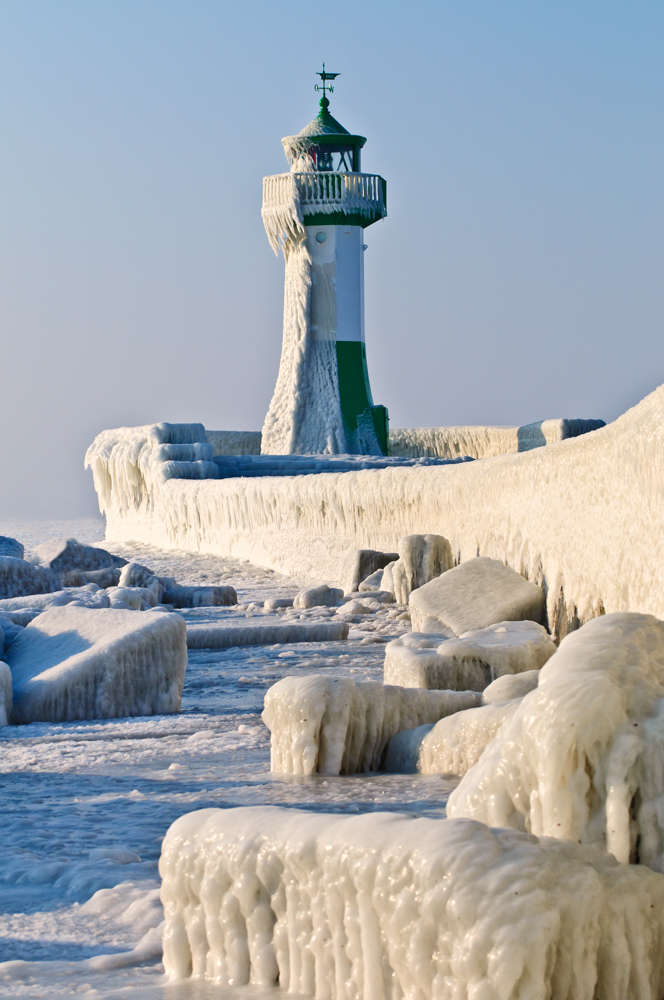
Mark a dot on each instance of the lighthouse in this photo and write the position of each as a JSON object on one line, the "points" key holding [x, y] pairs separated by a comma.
{"points": [[317, 214]]}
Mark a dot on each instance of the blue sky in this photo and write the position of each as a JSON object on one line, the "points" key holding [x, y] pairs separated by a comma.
{"points": [[517, 277]]}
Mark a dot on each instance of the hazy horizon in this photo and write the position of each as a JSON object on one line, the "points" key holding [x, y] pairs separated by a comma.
{"points": [[516, 278]]}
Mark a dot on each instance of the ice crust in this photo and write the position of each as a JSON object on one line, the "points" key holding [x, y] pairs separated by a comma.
{"points": [[76, 663], [89, 595], [484, 442], [11, 547], [479, 593], [339, 726], [603, 507], [5, 689], [64, 554], [581, 758], [384, 905], [473, 660], [225, 636]]}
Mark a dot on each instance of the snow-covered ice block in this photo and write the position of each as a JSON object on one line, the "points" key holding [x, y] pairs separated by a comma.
{"points": [[64, 554], [318, 597], [89, 596], [340, 726], [10, 547], [355, 606], [363, 563], [382, 596], [136, 598], [10, 628], [473, 660], [478, 593], [76, 663], [165, 433], [485, 442], [224, 636], [200, 597], [19, 577], [394, 906], [581, 757], [421, 558]]}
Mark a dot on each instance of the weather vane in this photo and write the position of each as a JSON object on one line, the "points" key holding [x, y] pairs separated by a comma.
{"points": [[325, 77]]}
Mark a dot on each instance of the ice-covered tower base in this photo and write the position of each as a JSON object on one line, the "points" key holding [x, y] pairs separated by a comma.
{"points": [[317, 213]]}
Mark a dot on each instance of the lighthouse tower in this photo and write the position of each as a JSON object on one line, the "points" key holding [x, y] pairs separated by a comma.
{"points": [[317, 214]]}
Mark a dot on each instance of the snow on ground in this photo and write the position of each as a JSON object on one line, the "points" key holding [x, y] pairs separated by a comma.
{"points": [[114, 787]]}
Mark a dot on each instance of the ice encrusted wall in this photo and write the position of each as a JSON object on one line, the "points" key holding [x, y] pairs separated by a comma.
{"points": [[484, 442], [583, 517], [386, 907]]}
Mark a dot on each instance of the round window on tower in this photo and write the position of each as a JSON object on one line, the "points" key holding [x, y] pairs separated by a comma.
{"points": [[321, 236]]}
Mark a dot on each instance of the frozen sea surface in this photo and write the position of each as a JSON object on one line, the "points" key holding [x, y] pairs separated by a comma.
{"points": [[85, 805]]}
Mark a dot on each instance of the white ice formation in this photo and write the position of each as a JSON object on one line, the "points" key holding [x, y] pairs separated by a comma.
{"points": [[136, 598], [581, 758], [89, 596], [77, 663], [202, 636], [484, 442], [564, 516], [318, 597], [64, 554], [473, 660], [5, 689], [478, 593], [391, 906], [340, 726], [421, 558], [363, 564]]}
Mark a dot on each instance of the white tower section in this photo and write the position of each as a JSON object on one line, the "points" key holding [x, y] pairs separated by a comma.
{"points": [[317, 214]]}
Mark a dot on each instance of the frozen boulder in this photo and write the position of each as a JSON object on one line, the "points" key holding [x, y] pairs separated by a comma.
{"points": [[362, 563], [473, 660], [19, 577], [136, 598], [274, 603], [382, 596], [76, 663], [10, 629], [10, 547], [109, 576], [89, 596], [387, 579], [478, 593], [318, 597], [581, 757], [200, 597], [135, 575], [62, 555], [372, 582], [387, 905], [339, 726], [510, 686], [451, 746], [354, 607]]}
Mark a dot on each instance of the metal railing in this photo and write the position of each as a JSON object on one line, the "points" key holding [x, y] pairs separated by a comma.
{"points": [[327, 192]]}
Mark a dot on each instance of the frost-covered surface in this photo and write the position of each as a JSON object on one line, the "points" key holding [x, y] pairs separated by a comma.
{"points": [[77, 663], [581, 757], [11, 547], [421, 558], [234, 442], [478, 593], [394, 906], [5, 687], [116, 785], [17, 577], [484, 442], [473, 660], [223, 636], [564, 516], [247, 466], [89, 595], [337, 726]]}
